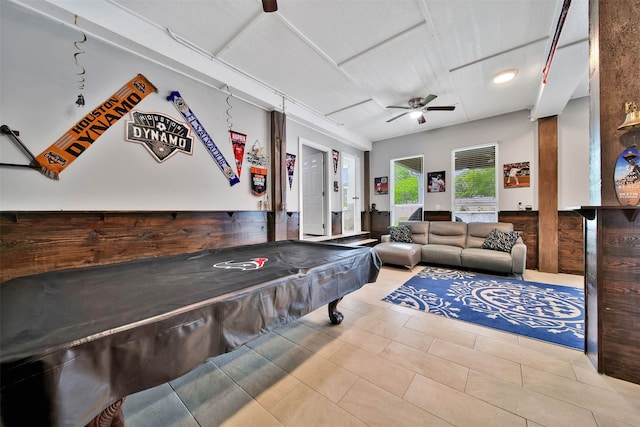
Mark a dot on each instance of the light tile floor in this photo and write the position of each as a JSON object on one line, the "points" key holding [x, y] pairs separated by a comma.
{"points": [[387, 365]]}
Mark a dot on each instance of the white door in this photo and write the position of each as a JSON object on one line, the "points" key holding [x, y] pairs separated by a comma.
{"points": [[313, 194], [350, 195]]}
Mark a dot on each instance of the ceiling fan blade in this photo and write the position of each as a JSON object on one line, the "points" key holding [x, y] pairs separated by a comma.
{"points": [[398, 106], [421, 119], [397, 117], [443, 108], [269, 5], [428, 99]]}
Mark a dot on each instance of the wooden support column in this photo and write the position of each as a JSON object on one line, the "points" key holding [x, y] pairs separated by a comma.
{"points": [[366, 221], [548, 194], [612, 253], [277, 222]]}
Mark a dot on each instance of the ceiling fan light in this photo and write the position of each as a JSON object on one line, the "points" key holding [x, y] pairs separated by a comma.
{"points": [[505, 76], [415, 114]]}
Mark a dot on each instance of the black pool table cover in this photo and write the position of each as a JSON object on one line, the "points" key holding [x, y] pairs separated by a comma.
{"points": [[74, 341]]}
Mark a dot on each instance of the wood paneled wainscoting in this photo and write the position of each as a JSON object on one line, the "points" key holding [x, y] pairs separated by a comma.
{"points": [[293, 225], [570, 234], [37, 242], [613, 290], [336, 223], [526, 222], [570, 238], [380, 221]]}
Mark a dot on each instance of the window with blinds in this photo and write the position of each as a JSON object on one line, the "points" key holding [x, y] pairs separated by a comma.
{"points": [[407, 189], [475, 194]]}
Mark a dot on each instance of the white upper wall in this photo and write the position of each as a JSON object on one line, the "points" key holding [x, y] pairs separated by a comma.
{"points": [[297, 133], [38, 86], [39, 89], [517, 140], [573, 155]]}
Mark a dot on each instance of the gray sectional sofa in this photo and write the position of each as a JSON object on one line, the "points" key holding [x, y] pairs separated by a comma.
{"points": [[457, 244]]}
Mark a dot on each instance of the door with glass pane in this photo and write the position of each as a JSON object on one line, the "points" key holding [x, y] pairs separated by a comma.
{"points": [[350, 199], [313, 194], [407, 189]]}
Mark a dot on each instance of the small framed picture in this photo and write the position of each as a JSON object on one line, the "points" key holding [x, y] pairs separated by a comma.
{"points": [[381, 185], [516, 175], [436, 182]]}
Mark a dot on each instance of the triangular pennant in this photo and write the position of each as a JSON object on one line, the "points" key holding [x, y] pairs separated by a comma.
{"points": [[239, 141]]}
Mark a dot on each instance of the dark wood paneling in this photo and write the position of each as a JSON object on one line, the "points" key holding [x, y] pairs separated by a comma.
{"points": [[526, 222], [619, 295], [380, 221], [613, 287], [36, 242], [437, 216], [278, 218], [570, 238], [548, 194], [570, 243], [293, 225], [614, 81], [336, 223], [366, 196], [571, 231]]}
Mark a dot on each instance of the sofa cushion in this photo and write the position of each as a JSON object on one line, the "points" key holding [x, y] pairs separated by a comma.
{"points": [[399, 253], [477, 232], [401, 233], [486, 259], [500, 240], [441, 254], [419, 231], [448, 233]]}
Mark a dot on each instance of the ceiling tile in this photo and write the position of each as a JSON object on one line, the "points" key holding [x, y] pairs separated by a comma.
{"points": [[404, 68], [343, 29], [483, 98], [469, 31], [340, 63], [273, 53], [207, 24]]}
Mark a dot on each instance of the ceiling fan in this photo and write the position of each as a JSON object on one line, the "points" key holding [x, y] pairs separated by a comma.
{"points": [[419, 106], [269, 5]]}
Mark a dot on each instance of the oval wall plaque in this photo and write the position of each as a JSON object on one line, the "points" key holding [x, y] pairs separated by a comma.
{"points": [[627, 177]]}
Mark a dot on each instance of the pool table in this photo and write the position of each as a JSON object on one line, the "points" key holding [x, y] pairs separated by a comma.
{"points": [[75, 343]]}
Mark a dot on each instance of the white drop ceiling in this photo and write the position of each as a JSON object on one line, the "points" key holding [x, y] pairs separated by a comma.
{"points": [[336, 64]]}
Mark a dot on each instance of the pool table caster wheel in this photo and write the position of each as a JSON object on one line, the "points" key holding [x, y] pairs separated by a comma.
{"points": [[334, 315], [111, 417]]}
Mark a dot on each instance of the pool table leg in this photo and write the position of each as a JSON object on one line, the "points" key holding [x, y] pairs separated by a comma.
{"points": [[110, 417], [334, 315]]}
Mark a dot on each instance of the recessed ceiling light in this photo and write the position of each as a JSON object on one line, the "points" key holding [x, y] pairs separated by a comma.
{"points": [[505, 76]]}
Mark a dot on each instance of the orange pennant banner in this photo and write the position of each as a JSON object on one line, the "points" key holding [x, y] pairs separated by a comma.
{"points": [[76, 140]]}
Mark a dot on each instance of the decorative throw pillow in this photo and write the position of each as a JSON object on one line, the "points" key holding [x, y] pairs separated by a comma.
{"points": [[500, 240], [401, 233]]}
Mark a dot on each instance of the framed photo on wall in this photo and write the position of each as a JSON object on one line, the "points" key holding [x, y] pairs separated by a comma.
{"points": [[381, 185], [516, 175], [436, 182]]}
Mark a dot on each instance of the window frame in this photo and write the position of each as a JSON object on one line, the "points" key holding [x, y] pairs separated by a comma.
{"points": [[392, 188], [479, 215]]}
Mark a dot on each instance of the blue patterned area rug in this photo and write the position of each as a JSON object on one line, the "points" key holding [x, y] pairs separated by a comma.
{"points": [[543, 311]]}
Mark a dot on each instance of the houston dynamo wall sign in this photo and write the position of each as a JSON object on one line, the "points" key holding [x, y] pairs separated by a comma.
{"points": [[161, 135]]}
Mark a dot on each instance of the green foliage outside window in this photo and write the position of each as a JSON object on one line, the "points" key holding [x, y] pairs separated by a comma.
{"points": [[476, 183], [406, 187]]}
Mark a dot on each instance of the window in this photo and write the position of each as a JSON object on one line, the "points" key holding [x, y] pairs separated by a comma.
{"points": [[407, 189], [475, 195]]}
